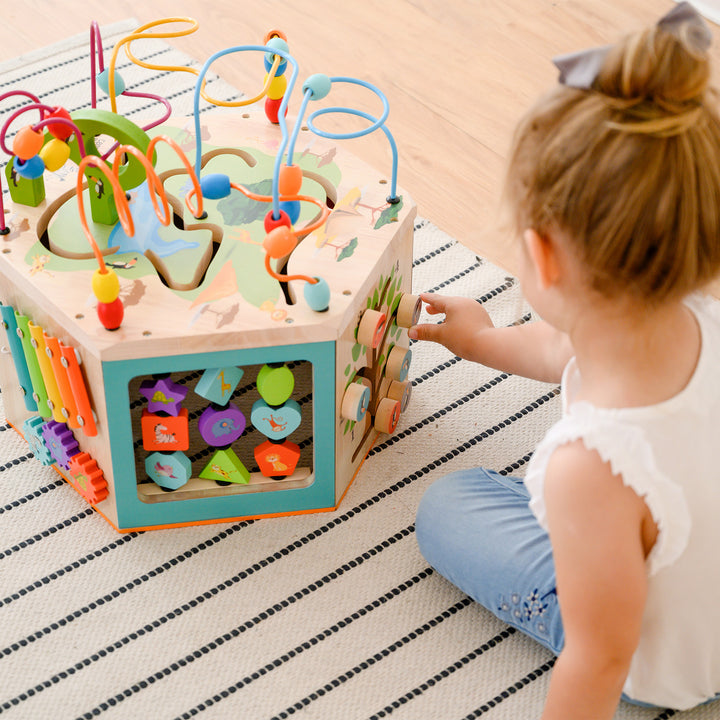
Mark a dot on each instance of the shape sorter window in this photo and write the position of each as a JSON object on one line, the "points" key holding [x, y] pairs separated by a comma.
{"points": [[222, 431]]}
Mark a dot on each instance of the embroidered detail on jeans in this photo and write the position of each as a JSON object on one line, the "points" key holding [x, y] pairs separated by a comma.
{"points": [[526, 611]]}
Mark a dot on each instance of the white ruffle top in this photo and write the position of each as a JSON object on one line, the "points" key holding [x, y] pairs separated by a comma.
{"points": [[669, 454]]}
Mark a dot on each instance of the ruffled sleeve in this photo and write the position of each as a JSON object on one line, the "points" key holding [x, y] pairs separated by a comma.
{"points": [[630, 455]]}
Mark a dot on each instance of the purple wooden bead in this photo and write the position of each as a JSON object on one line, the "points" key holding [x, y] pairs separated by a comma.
{"points": [[221, 426]]}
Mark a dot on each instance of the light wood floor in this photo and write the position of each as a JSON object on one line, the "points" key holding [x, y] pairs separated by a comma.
{"points": [[458, 73]]}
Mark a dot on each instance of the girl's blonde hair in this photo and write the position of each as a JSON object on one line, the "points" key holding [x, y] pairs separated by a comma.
{"points": [[629, 169]]}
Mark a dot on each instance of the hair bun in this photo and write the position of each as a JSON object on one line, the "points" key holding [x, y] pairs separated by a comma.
{"points": [[666, 64]]}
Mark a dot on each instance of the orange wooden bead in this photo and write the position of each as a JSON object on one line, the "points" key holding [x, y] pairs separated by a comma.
{"points": [[279, 242], [290, 179], [27, 143]]}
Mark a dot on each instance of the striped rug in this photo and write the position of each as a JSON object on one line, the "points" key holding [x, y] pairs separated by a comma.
{"points": [[332, 615]]}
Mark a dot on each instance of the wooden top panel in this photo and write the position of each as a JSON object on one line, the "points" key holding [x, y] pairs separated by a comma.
{"points": [[195, 286]]}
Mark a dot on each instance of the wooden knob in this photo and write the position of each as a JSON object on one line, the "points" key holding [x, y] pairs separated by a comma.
{"points": [[371, 328], [401, 392], [408, 311], [387, 415], [398, 363], [355, 402]]}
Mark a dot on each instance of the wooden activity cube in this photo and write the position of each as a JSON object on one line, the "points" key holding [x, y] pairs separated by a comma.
{"points": [[222, 395]]}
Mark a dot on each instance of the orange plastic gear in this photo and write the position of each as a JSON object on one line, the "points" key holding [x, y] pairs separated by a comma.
{"points": [[87, 478]]}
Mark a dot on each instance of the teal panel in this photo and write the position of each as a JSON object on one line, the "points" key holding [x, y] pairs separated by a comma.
{"points": [[134, 513]]}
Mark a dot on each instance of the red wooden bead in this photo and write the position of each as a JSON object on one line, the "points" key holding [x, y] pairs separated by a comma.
{"points": [[59, 130], [272, 109], [111, 314], [271, 223]]}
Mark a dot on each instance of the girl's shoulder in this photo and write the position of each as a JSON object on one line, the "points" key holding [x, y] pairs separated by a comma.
{"points": [[629, 453]]}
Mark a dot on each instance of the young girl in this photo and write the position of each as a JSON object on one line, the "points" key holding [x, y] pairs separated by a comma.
{"points": [[606, 553]]}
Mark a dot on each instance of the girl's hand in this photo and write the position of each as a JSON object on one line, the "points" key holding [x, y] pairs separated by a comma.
{"points": [[464, 319]]}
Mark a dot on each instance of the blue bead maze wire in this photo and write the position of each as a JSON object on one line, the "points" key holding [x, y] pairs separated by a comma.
{"points": [[377, 123], [281, 111]]}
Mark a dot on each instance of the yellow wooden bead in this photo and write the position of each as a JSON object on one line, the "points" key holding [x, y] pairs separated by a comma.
{"points": [[55, 154], [105, 285], [277, 87]]}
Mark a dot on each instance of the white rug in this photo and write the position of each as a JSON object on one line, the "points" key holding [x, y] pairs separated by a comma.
{"points": [[318, 616]]}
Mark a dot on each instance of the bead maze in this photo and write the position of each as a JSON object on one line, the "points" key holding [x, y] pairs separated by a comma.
{"points": [[205, 316]]}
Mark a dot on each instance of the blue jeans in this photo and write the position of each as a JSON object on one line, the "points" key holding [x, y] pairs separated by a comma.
{"points": [[476, 529]]}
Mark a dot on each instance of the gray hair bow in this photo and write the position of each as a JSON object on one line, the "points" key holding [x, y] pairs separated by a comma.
{"points": [[580, 69]]}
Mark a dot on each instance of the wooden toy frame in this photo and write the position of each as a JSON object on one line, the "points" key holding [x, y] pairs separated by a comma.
{"points": [[363, 250]]}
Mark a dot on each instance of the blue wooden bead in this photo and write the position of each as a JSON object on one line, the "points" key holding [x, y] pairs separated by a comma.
{"points": [[215, 186], [30, 169], [317, 295], [103, 81], [318, 84], [292, 208], [276, 43], [276, 422]]}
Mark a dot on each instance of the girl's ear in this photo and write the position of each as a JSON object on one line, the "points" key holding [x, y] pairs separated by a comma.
{"points": [[544, 256]]}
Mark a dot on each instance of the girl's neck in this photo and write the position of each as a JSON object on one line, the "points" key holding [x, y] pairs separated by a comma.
{"points": [[631, 355]]}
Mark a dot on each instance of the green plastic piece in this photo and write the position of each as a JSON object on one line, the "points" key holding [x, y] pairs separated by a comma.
{"points": [[92, 123], [275, 384], [40, 394], [23, 190]]}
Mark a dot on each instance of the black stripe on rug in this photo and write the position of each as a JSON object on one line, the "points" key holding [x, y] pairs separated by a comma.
{"points": [[337, 682], [447, 672], [146, 577], [31, 496], [443, 674], [433, 253], [48, 532], [235, 632], [512, 690]]}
